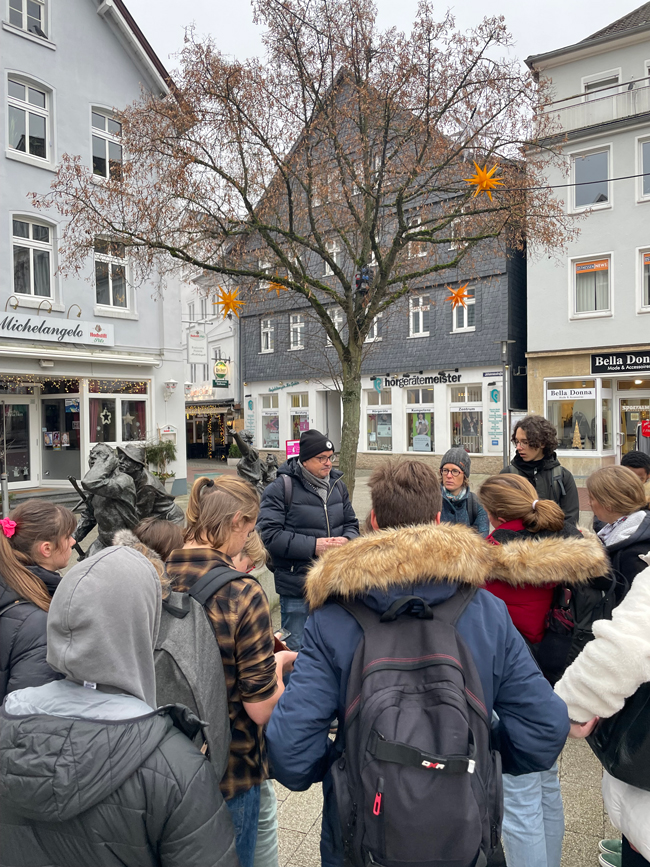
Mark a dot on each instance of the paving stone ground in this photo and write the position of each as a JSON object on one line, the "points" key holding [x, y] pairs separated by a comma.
{"points": [[299, 813]]}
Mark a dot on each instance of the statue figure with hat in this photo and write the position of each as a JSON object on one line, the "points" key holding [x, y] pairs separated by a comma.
{"points": [[152, 500], [250, 465], [109, 498]]}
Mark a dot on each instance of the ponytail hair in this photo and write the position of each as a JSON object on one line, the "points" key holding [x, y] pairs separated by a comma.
{"points": [[512, 498], [212, 508], [36, 521]]}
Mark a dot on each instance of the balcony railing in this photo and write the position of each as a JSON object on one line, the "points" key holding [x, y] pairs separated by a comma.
{"points": [[602, 106]]}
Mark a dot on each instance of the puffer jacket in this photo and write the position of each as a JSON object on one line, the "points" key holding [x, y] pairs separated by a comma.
{"points": [[626, 551], [290, 534], [540, 475], [457, 512], [113, 792], [23, 640]]}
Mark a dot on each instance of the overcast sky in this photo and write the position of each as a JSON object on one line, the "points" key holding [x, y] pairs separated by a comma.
{"points": [[537, 26]]}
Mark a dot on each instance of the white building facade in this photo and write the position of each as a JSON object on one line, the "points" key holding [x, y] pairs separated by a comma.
{"points": [[589, 312], [83, 358]]}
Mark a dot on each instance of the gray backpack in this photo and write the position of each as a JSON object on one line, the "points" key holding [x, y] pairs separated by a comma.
{"points": [[189, 670]]}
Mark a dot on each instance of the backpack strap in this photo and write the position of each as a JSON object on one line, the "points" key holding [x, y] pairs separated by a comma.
{"points": [[12, 605], [288, 491], [556, 478], [213, 581], [472, 508]]}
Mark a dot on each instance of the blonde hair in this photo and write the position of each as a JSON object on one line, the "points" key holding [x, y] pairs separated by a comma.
{"points": [[511, 498], [212, 508], [255, 551], [617, 489]]}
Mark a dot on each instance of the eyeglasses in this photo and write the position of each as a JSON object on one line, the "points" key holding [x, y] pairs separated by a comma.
{"points": [[450, 472], [325, 460], [521, 443]]}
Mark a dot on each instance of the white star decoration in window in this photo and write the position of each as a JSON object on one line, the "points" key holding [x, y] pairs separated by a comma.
{"points": [[105, 416], [128, 418]]}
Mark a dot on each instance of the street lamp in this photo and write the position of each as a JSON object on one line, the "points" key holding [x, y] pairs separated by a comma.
{"points": [[170, 388], [505, 398]]}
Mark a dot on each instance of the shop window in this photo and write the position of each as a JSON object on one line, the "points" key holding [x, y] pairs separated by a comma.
{"points": [[269, 401], [296, 331], [29, 113], [270, 422], [107, 147], [590, 176], [379, 424], [608, 414], [32, 251], [645, 288], [571, 408], [464, 318], [60, 386], [15, 431], [267, 335], [299, 414], [591, 286], [467, 417], [118, 386], [134, 420], [419, 308], [29, 15], [374, 398], [110, 273], [419, 419], [103, 428]]}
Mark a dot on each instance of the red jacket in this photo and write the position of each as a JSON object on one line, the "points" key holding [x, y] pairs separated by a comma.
{"points": [[527, 605]]}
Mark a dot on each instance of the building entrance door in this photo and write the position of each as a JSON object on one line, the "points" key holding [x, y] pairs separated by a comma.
{"points": [[61, 438], [18, 439], [632, 411]]}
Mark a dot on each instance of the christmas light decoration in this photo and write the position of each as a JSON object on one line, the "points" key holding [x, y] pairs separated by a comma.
{"points": [[483, 180], [458, 297], [230, 301]]}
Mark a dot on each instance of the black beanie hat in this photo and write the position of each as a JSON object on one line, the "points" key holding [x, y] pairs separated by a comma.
{"points": [[312, 443]]}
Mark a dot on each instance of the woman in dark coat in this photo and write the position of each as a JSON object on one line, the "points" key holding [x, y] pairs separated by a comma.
{"points": [[35, 541]]}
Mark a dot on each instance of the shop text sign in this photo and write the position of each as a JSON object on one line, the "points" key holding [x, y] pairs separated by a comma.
{"points": [[22, 326], [622, 362], [570, 393], [409, 381]]}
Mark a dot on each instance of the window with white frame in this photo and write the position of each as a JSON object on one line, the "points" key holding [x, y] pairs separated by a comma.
{"points": [[459, 228], [190, 311], [110, 273], [32, 255], [591, 179], [270, 422], [107, 145], [29, 15], [591, 286], [296, 331], [336, 315], [28, 118], [299, 412], [419, 308], [464, 318], [466, 416], [379, 420], [415, 248], [374, 333], [645, 288], [334, 249], [267, 333], [419, 420], [644, 160], [595, 87]]}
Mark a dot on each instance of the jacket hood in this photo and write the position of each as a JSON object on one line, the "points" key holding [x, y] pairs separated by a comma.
{"points": [[641, 534], [103, 623], [382, 564], [293, 468], [49, 578], [53, 768]]}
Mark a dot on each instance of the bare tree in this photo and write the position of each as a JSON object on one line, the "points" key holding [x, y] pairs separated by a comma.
{"points": [[346, 147]]}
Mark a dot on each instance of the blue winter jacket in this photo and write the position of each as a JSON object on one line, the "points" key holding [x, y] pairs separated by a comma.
{"points": [[457, 512], [290, 533], [379, 568]]}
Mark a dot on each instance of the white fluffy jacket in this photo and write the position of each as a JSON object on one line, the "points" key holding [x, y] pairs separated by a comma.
{"points": [[610, 669]]}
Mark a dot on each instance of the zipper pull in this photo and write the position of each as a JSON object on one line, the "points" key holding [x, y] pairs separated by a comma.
{"points": [[376, 810]]}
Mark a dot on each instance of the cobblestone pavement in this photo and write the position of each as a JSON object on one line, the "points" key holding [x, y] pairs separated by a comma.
{"points": [[299, 813]]}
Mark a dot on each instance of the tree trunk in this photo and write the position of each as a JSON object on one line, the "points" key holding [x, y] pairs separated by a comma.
{"points": [[351, 398]]}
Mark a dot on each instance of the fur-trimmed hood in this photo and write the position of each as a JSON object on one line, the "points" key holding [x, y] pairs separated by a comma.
{"points": [[449, 553]]}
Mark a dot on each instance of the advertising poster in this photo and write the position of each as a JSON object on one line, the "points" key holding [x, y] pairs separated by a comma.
{"points": [[47, 439], [421, 431], [72, 404]]}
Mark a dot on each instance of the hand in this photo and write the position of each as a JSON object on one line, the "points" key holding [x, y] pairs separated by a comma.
{"points": [[286, 659], [329, 542], [582, 730]]}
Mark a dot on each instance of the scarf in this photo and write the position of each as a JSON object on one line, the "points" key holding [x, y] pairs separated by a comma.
{"points": [[322, 486]]}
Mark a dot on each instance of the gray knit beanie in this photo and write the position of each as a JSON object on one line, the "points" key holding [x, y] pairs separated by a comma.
{"points": [[459, 457]]}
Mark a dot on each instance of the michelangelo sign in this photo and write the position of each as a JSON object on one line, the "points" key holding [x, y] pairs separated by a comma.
{"points": [[22, 326], [620, 362]]}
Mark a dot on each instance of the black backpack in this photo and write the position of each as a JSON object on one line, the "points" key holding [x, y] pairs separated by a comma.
{"points": [[418, 782]]}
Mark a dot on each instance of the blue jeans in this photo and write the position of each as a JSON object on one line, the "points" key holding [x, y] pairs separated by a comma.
{"points": [[533, 819], [293, 616], [266, 850], [244, 812]]}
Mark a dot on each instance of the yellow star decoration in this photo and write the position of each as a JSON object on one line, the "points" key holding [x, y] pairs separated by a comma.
{"points": [[231, 303], [457, 296], [484, 180], [277, 288]]}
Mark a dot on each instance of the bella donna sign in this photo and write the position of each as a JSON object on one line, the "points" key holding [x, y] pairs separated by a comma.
{"points": [[622, 362], [21, 326]]}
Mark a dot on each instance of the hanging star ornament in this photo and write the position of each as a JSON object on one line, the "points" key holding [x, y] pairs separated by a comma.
{"points": [[277, 288], [230, 301], [458, 297], [483, 180]]}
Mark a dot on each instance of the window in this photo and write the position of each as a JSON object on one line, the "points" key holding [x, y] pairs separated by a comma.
{"points": [[335, 252], [134, 420], [107, 149], [299, 414], [110, 273], [296, 331], [28, 119], [204, 308], [598, 85], [419, 419], [375, 330], [190, 312], [464, 318], [591, 286], [102, 420], [379, 424], [336, 315], [266, 335], [32, 243], [645, 169], [590, 174], [466, 406], [270, 422], [645, 290], [419, 316], [416, 248], [571, 408], [28, 15]]}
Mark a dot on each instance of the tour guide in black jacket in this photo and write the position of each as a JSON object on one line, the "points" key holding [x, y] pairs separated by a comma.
{"points": [[301, 519], [90, 772]]}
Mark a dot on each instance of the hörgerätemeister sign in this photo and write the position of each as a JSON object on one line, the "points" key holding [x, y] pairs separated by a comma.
{"points": [[24, 326], [620, 362]]}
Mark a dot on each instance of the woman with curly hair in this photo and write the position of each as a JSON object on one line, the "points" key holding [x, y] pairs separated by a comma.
{"points": [[535, 440]]}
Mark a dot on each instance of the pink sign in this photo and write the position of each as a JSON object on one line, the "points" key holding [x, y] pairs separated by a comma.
{"points": [[293, 448], [304, 425]]}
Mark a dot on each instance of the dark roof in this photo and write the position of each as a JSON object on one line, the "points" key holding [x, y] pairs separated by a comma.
{"points": [[146, 47], [637, 18]]}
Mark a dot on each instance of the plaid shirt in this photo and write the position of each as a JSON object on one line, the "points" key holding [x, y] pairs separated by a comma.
{"points": [[241, 619]]}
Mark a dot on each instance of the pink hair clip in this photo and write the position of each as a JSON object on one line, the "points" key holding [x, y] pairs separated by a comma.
{"points": [[8, 527]]}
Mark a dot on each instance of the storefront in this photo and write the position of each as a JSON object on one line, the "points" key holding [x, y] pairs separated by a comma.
{"points": [[424, 413], [597, 405]]}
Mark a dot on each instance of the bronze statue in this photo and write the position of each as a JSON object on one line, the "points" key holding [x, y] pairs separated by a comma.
{"points": [[250, 465], [270, 470], [151, 497]]}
